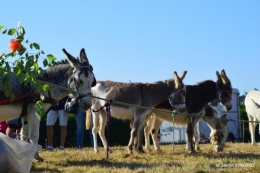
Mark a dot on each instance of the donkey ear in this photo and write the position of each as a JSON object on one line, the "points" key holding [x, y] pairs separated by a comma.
{"points": [[224, 77], [222, 123], [177, 80], [223, 116], [83, 56], [182, 76], [73, 61], [218, 76]]}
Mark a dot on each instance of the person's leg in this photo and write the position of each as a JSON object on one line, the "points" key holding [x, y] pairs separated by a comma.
{"points": [[9, 131], [63, 116], [91, 137], [80, 117], [51, 119]]}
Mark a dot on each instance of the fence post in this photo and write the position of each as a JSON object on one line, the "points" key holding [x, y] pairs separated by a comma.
{"points": [[243, 132]]}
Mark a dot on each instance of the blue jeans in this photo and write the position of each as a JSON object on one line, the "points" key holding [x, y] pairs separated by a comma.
{"points": [[80, 117]]}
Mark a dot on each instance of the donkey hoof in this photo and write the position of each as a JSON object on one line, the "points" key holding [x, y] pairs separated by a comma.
{"points": [[191, 152], [140, 150], [159, 151], [129, 151]]}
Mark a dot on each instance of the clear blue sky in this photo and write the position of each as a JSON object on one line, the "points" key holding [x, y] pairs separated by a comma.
{"points": [[146, 41]]}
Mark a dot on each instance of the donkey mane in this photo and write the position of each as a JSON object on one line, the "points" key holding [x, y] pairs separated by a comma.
{"points": [[199, 94], [64, 61], [109, 84], [54, 73], [205, 85]]}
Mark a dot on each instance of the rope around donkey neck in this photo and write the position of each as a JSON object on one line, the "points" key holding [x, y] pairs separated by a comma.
{"points": [[143, 107]]}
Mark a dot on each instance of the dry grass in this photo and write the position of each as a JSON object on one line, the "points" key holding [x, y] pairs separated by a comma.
{"points": [[237, 157]]}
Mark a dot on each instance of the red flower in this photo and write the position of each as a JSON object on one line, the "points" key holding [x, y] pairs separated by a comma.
{"points": [[14, 45]]}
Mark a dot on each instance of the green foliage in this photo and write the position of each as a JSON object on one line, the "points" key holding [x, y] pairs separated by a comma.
{"points": [[25, 66]]}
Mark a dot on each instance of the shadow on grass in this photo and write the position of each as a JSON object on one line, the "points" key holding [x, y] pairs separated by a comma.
{"points": [[105, 164]]}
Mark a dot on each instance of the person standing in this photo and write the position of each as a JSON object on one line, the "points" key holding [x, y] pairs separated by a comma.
{"points": [[80, 117], [57, 111], [72, 107]]}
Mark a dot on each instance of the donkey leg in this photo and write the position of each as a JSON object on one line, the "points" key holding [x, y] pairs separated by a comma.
{"points": [[189, 136], [154, 133], [196, 135], [139, 148], [24, 132], [34, 134], [95, 116], [133, 135], [147, 131], [33, 128], [101, 131], [252, 126]]}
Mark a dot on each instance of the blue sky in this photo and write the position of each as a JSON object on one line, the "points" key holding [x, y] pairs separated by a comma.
{"points": [[146, 41]]}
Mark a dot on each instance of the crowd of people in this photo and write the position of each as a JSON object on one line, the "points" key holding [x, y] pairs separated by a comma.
{"points": [[13, 127]]}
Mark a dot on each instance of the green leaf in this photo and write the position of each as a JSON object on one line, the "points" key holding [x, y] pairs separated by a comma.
{"points": [[28, 65], [40, 113], [46, 87], [22, 31], [17, 71], [51, 59], [31, 45], [36, 46], [21, 77], [11, 31], [22, 50], [45, 63], [7, 93], [20, 38], [2, 26], [12, 97], [35, 59], [4, 31], [40, 71], [26, 41]]}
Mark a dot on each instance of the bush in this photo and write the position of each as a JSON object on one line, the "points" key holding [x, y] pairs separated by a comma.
{"points": [[119, 133]]}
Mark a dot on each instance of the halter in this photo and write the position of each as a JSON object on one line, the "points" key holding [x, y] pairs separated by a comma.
{"points": [[173, 103], [80, 69], [216, 142], [219, 94]]}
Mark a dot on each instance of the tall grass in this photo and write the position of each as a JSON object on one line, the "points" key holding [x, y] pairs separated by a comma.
{"points": [[237, 157]]}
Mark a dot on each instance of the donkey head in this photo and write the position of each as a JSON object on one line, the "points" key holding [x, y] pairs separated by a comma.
{"points": [[218, 138], [224, 88], [82, 78], [177, 97]]}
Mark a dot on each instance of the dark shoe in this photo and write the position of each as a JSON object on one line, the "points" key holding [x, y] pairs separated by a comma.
{"points": [[49, 149], [61, 148]]}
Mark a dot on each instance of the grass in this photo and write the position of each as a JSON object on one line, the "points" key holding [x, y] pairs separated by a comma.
{"points": [[237, 157]]}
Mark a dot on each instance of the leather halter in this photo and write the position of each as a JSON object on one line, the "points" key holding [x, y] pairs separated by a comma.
{"points": [[173, 103], [80, 69], [219, 93]]}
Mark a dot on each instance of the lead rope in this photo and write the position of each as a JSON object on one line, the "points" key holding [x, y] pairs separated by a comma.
{"points": [[107, 105], [173, 115]]}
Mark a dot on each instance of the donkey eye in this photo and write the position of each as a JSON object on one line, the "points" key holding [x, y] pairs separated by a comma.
{"points": [[80, 81]]}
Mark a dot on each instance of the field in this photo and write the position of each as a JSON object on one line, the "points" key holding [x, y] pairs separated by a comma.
{"points": [[237, 157]]}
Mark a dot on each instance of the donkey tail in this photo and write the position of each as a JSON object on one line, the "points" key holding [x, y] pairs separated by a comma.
{"points": [[88, 119]]}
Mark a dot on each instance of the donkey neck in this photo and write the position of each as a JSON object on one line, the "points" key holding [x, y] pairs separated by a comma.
{"points": [[58, 75], [197, 96], [155, 93]]}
